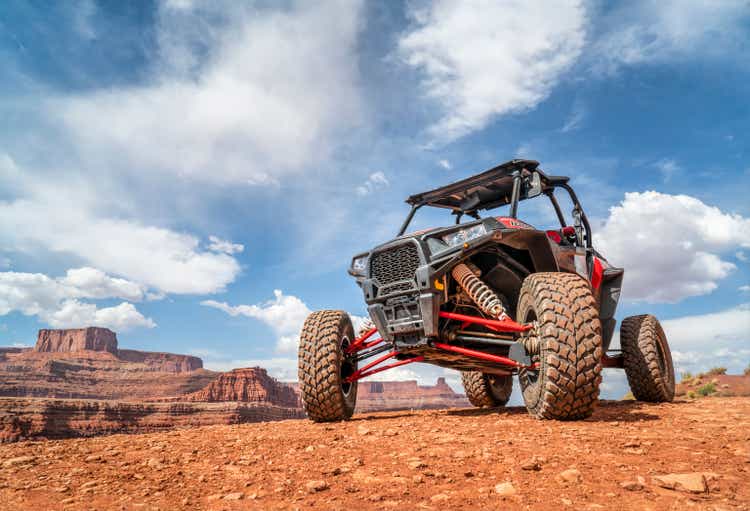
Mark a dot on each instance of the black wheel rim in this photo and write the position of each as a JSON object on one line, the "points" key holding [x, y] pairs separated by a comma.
{"points": [[348, 367]]}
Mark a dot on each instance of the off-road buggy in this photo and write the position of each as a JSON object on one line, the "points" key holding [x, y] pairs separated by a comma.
{"points": [[491, 297]]}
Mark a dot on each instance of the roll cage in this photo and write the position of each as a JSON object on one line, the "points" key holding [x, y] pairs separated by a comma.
{"points": [[506, 184]]}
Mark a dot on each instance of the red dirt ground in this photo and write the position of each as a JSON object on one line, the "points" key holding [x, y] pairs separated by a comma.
{"points": [[447, 459]]}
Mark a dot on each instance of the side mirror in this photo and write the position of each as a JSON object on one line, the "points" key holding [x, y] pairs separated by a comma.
{"points": [[534, 186]]}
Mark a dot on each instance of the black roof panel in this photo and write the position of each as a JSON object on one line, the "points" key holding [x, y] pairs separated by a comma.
{"points": [[490, 189]]}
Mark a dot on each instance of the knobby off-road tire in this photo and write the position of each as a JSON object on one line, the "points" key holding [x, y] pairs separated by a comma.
{"points": [[566, 384], [486, 390], [647, 359], [323, 366]]}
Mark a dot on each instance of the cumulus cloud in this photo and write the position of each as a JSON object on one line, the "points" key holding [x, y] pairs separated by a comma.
{"points": [[375, 181], [445, 164], [479, 60], [671, 246], [68, 218], [56, 300], [702, 341], [220, 245], [285, 315], [270, 92], [661, 30]]}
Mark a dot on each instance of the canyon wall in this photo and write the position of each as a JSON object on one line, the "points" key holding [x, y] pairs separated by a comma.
{"points": [[33, 418], [405, 395], [76, 339], [246, 385]]}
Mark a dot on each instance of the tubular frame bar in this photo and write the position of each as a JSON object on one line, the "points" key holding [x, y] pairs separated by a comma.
{"points": [[367, 371], [499, 325], [482, 355]]}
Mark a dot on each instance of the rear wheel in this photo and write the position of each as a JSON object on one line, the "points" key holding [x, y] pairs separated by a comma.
{"points": [[324, 366], [647, 359], [486, 390], [566, 345]]}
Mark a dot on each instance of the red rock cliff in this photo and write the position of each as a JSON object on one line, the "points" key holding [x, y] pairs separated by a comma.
{"points": [[78, 339], [247, 385]]}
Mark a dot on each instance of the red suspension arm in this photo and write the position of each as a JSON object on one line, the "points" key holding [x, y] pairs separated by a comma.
{"points": [[359, 341], [499, 325], [367, 371], [480, 354]]}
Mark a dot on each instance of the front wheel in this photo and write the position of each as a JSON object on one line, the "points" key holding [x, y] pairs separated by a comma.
{"points": [[647, 359], [567, 346], [486, 390], [324, 366]]}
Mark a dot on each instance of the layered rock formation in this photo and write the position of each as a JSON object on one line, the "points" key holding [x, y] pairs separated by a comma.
{"points": [[76, 339], [87, 363], [22, 419], [246, 385], [405, 395]]}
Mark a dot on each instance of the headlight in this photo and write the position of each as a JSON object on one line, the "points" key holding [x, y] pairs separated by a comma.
{"points": [[359, 264], [464, 235]]}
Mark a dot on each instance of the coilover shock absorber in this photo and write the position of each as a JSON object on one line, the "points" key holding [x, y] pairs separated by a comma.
{"points": [[481, 293]]}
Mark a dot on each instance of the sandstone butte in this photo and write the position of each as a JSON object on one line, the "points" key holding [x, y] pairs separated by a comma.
{"points": [[80, 383]]}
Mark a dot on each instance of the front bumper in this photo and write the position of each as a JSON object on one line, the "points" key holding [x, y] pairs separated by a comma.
{"points": [[401, 293]]}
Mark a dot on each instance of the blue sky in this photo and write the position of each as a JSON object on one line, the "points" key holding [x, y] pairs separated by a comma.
{"points": [[197, 175]]}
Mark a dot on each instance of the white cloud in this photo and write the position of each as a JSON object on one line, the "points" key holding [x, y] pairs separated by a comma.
{"points": [[741, 256], [67, 217], [74, 314], [220, 245], [479, 59], [670, 245], [445, 164], [285, 315], [744, 289], [56, 300], [375, 181], [574, 120], [244, 94], [665, 30], [668, 168], [708, 340]]}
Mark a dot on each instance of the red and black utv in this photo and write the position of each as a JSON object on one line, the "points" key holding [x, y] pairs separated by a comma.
{"points": [[491, 297]]}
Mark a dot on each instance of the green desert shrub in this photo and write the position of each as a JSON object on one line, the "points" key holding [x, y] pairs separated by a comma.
{"points": [[747, 370], [691, 394], [707, 389], [686, 377], [628, 397], [714, 371]]}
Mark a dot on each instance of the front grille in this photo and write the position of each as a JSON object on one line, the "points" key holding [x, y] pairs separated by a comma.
{"points": [[395, 264]]}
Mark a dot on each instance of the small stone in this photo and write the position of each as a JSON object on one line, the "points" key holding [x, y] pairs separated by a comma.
{"points": [[213, 497], [440, 497], [88, 484], [631, 485], [375, 498], [310, 448], [315, 486], [532, 464], [94, 457], [185, 501], [20, 460], [234, 496], [363, 430], [566, 502], [468, 473], [418, 478], [67, 501], [390, 432], [505, 489], [415, 464], [693, 482], [571, 475]]}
